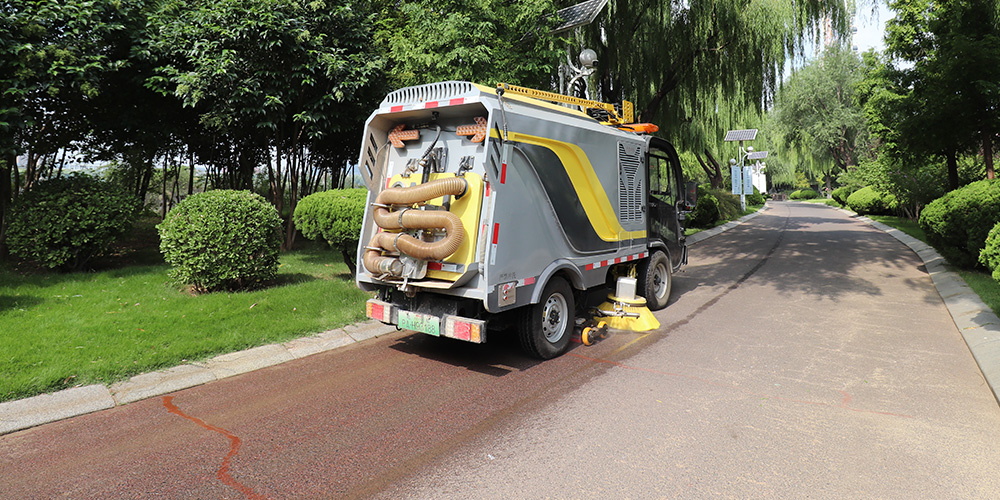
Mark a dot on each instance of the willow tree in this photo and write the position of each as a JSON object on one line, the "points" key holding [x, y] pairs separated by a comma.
{"points": [[817, 114], [678, 60]]}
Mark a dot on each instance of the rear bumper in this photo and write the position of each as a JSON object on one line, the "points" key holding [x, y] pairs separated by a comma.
{"points": [[446, 325]]}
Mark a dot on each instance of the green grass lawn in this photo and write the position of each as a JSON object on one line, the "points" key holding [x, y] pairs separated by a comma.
{"points": [[981, 282], [64, 330]]}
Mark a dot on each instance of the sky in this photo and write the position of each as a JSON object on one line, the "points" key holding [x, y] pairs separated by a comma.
{"points": [[871, 27]]}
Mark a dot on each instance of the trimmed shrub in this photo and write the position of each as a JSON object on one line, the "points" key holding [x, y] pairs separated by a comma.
{"points": [[222, 240], [334, 217], [841, 194], [756, 198], [63, 223], [729, 204], [868, 201], [706, 211], [958, 223], [990, 256], [803, 194]]}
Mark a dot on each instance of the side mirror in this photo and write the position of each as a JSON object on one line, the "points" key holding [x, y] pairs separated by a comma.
{"points": [[690, 194]]}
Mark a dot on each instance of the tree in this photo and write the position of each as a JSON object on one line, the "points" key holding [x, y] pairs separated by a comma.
{"points": [[54, 53], [486, 41], [816, 112], [275, 78], [679, 60], [936, 91]]}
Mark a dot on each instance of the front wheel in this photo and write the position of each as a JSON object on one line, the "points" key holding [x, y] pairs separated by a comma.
{"points": [[545, 328], [656, 280]]}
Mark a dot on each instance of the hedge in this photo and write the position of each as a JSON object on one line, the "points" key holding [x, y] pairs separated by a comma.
{"points": [[841, 194], [222, 240], [958, 223], [868, 201], [990, 256], [803, 194], [335, 217], [63, 223]]}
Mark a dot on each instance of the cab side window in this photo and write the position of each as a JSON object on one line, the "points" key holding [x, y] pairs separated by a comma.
{"points": [[662, 179]]}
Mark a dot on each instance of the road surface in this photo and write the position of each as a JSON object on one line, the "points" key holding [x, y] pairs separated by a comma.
{"points": [[804, 355]]}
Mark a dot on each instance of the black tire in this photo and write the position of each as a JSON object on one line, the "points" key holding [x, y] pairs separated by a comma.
{"points": [[656, 280], [545, 328]]}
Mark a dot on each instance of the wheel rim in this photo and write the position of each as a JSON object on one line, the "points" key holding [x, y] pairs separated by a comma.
{"points": [[554, 318], [661, 281]]}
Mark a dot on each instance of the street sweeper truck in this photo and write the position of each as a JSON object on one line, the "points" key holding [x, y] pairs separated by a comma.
{"points": [[510, 209]]}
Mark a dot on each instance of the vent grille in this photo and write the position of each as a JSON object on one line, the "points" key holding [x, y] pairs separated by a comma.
{"points": [[630, 199], [430, 92]]}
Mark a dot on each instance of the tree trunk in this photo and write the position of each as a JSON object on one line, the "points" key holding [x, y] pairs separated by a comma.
{"points": [[8, 165], [988, 154], [349, 260], [952, 170], [164, 204], [715, 179], [190, 172]]}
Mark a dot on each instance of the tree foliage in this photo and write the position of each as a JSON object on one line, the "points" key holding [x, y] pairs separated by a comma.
{"points": [[708, 63], [486, 41], [816, 113], [936, 90]]}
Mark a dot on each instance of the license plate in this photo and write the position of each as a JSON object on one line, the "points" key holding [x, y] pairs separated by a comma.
{"points": [[418, 322]]}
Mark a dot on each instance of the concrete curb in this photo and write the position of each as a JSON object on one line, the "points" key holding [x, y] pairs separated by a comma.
{"points": [[46, 408]]}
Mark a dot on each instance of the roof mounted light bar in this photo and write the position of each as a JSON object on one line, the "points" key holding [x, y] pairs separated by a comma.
{"points": [[615, 116]]}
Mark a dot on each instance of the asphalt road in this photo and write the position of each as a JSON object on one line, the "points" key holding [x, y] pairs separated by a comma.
{"points": [[805, 355]]}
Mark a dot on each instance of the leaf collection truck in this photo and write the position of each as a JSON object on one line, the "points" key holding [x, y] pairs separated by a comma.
{"points": [[507, 208]]}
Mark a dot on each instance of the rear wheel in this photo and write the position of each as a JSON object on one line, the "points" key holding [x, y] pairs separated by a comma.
{"points": [[545, 328], [656, 280]]}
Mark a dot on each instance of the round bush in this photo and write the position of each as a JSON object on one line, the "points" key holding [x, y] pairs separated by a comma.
{"points": [[868, 201], [63, 223], [804, 194], [990, 256], [756, 198], [222, 240], [706, 211], [958, 223], [333, 216], [841, 194]]}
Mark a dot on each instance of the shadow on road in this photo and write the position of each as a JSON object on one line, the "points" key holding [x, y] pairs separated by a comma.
{"points": [[499, 357], [818, 252]]}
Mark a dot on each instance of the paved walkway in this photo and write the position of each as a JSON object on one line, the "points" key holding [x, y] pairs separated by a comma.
{"points": [[980, 328]]}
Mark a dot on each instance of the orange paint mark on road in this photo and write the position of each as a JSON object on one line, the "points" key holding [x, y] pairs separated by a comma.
{"points": [[844, 403], [234, 447]]}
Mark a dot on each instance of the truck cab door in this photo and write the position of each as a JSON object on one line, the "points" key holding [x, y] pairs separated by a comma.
{"points": [[664, 181]]}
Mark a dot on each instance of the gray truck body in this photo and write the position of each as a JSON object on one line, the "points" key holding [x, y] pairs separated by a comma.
{"points": [[551, 192]]}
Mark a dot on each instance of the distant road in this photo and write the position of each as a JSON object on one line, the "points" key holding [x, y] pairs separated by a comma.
{"points": [[805, 355]]}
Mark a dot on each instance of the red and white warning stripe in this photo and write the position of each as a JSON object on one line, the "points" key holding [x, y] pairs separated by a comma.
{"points": [[493, 243], [458, 101], [619, 260]]}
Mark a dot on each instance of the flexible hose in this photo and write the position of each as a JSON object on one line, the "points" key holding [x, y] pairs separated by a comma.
{"points": [[378, 264]]}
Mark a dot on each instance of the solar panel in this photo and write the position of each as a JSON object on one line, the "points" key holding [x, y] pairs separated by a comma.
{"points": [[757, 155], [578, 15], [741, 135]]}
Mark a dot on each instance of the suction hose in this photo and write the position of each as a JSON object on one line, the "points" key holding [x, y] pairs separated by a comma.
{"points": [[408, 218]]}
